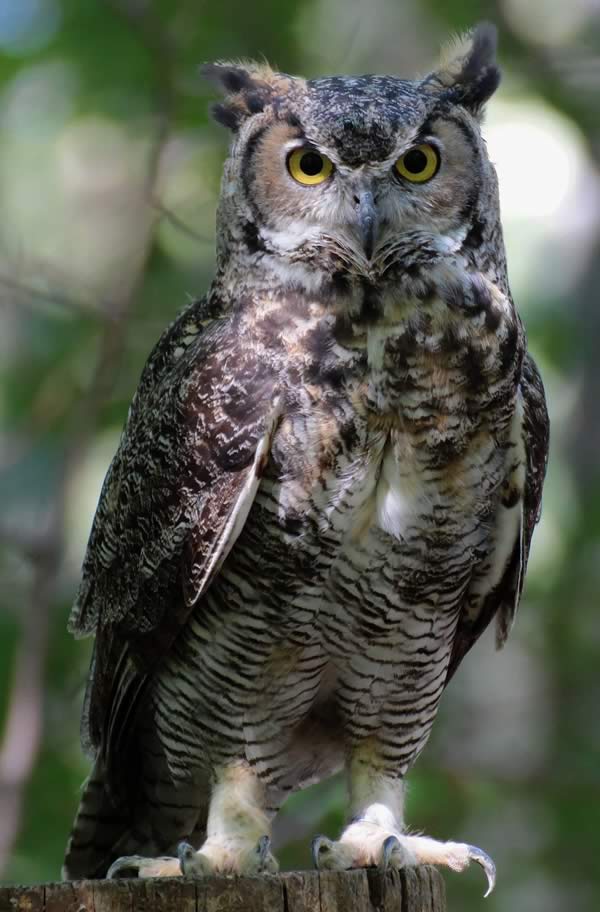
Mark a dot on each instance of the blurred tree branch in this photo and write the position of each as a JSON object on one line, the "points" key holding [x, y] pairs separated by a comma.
{"points": [[178, 223], [22, 293]]}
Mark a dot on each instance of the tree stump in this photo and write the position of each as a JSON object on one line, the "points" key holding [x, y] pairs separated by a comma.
{"points": [[411, 890]]}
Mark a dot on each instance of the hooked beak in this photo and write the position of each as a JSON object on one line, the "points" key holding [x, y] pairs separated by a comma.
{"points": [[367, 220]]}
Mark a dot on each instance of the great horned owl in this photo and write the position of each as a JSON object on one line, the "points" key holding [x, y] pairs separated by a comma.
{"points": [[326, 488]]}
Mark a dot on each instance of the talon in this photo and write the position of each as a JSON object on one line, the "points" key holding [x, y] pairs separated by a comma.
{"points": [[126, 866], [319, 847], [263, 847], [185, 854], [191, 862], [483, 859], [139, 866], [391, 843], [267, 863], [264, 851], [332, 856]]}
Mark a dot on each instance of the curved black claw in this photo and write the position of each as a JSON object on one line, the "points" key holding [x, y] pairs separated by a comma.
{"points": [[483, 859], [319, 846], [267, 863], [191, 862], [391, 843], [264, 849], [126, 866], [185, 854]]}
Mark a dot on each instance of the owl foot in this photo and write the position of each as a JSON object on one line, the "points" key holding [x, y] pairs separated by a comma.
{"points": [[363, 844], [216, 859], [213, 858]]}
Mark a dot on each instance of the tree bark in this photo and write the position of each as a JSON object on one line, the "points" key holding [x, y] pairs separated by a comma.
{"points": [[411, 890]]}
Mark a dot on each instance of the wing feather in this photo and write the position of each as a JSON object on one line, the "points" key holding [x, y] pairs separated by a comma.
{"points": [[500, 593], [175, 499]]}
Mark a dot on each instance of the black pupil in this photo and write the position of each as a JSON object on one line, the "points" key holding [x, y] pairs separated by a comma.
{"points": [[311, 163], [415, 161]]}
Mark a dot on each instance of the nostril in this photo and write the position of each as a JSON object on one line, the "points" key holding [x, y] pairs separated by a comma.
{"points": [[356, 199]]}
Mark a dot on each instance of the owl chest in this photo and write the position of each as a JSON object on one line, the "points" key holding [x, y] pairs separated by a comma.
{"points": [[431, 380], [410, 447], [360, 483]]}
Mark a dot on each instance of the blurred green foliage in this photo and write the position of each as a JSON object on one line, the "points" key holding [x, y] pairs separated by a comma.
{"points": [[109, 171]]}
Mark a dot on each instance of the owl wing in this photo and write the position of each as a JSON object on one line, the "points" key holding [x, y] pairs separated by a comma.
{"points": [[173, 503], [502, 599]]}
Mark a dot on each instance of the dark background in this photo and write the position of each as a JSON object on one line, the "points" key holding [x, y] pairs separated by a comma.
{"points": [[109, 171]]}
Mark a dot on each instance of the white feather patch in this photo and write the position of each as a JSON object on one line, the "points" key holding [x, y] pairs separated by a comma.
{"points": [[397, 494]]}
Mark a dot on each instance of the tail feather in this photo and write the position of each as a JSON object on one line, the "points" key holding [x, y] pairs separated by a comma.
{"points": [[99, 825], [105, 828]]}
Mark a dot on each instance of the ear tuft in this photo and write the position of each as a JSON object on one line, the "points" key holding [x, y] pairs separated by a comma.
{"points": [[468, 73], [228, 77], [482, 55], [248, 88], [224, 115]]}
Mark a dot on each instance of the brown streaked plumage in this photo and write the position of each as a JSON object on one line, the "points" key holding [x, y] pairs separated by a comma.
{"points": [[326, 488]]}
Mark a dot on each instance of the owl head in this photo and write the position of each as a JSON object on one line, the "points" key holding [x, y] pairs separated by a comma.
{"points": [[354, 179]]}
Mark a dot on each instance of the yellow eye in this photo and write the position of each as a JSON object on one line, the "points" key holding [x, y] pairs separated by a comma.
{"points": [[419, 164], [309, 167]]}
